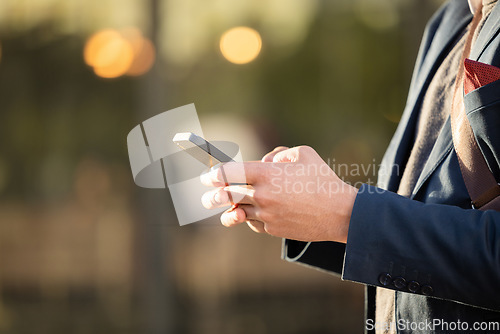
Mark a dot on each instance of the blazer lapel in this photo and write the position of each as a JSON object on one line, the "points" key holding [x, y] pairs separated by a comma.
{"points": [[442, 147], [453, 20]]}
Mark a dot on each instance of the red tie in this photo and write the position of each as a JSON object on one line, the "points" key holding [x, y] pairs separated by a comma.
{"points": [[478, 75]]}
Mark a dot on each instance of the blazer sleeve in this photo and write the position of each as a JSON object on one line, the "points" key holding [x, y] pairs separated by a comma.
{"points": [[443, 251]]}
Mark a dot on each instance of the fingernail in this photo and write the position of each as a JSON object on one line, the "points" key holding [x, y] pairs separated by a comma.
{"points": [[217, 198], [214, 171]]}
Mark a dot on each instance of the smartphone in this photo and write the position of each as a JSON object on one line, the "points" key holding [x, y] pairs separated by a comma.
{"points": [[200, 149], [205, 152]]}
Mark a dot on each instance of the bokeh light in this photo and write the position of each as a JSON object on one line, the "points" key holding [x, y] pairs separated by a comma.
{"points": [[114, 58], [115, 53], [96, 43], [240, 45], [144, 52]]}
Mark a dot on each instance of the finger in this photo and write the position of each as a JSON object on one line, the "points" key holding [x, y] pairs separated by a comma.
{"points": [[256, 226], [251, 212], [233, 216], [269, 156], [215, 199], [243, 194], [234, 172], [227, 196]]}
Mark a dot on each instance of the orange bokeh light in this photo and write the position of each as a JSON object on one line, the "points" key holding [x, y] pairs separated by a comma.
{"points": [[144, 52], [95, 44], [115, 53], [143, 60], [240, 45]]}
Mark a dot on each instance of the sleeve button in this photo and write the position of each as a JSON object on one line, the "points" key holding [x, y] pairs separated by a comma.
{"points": [[385, 279], [413, 286], [427, 290], [399, 283]]}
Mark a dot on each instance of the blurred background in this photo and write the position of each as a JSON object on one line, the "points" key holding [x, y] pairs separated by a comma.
{"points": [[83, 250]]}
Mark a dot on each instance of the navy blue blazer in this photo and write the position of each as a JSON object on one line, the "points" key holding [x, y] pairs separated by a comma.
{"points": [[441, 256]]}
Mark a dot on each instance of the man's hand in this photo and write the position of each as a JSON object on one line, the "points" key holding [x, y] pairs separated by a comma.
{"points": [[292, 193]]}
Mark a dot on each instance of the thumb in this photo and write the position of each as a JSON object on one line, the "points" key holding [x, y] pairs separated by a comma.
{"points": [[270, 156]]}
